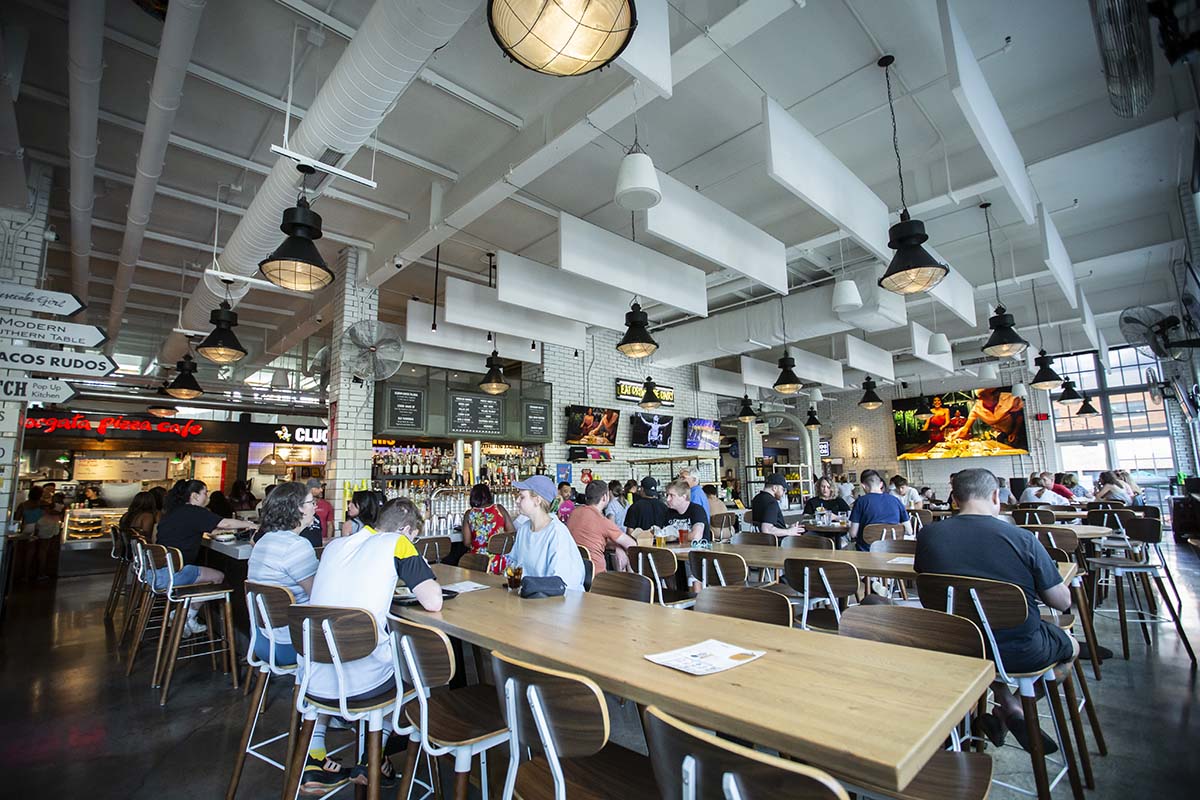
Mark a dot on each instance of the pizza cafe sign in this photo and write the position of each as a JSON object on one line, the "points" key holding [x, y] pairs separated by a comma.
{"points": [[108, 425]]}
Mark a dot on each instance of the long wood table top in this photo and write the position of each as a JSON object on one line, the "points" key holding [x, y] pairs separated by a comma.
{"points": [[863, 710], [1081, 531]]}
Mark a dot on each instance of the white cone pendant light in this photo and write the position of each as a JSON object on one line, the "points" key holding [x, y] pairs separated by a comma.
{"points": [[1020, 391], [988, 372], [815, 396], [846, 297], [637, 181], [939, 345]]}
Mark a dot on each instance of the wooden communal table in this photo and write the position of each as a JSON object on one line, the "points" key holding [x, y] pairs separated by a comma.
{"points": [[1081, 531], [812, 695]]}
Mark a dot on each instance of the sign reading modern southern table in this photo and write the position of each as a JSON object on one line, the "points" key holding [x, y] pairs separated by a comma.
{"points": [[536, 420], [632, 392], [26, 298], [35, 390], [36, 359], [51, 331], [406, 409], [481, 415]]}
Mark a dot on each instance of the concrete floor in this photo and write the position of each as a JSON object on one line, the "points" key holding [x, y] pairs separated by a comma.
{"points": [[73, 726]]}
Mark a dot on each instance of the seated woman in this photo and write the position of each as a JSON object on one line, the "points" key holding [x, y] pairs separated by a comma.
{"points": [[483, 520], [1072, 483], [220, 505], [827, 497], [1111, 488], [361, 511], [183, 525], [141, 516]]}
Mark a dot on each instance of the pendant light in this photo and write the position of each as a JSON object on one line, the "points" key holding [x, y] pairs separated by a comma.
{"points": [[923, 411], [815, 395], [1045, 377], [650, 397], [222, 345], [746, 412], [812, 423], [566, 37], [1086, 409], [912, 270], [988, 372], [297, 264], [161, 409], [280, 381], [272, 464], [787, 382], [870, 400], [637, 180], [1069, 396], [493, 382], [637, 341], [185, 386], [1020, 391], [846, 296], [938, 344], [1004, 342]]}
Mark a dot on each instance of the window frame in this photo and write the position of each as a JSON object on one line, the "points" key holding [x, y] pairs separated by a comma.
{"points": [[1102, 395]]}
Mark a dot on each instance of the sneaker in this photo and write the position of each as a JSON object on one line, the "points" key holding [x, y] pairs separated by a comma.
{"points": [[321, 777], [387, 778], [878, 588], [194, 626]]}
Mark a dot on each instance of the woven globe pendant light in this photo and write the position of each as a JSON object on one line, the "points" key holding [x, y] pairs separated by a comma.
{"points": [[562, 37]]}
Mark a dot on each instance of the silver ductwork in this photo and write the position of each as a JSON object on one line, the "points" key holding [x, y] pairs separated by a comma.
{"points": [[85, 41], [1123, 36], [174, 53], [385, 56]]}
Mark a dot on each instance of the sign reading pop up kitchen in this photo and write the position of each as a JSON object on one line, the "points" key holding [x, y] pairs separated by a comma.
{"points": [[632, 392]]}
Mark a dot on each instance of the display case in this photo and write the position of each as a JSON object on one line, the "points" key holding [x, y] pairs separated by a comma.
{"points": [[88, 528], [798, 477]]}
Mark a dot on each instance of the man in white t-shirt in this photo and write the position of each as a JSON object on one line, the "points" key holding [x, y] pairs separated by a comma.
{"points": [[906, 494]]}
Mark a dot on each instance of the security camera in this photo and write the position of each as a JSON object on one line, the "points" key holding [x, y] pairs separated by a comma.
{"points": [[50, 235], [320, 319]]}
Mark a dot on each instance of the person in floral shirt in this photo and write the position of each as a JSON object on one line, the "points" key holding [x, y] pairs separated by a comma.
{"points": [[483, 520]]}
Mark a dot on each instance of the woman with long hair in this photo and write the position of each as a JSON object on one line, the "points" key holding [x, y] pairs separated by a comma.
{"points": [[241, 497], [219, 504], [827, 497], [1111, 488], [141, 516], [483, 520], [361, 511]]}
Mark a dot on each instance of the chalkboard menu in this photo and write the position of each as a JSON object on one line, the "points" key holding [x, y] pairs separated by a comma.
{"points": [[406, 409], [536, 421], [475, 414]]}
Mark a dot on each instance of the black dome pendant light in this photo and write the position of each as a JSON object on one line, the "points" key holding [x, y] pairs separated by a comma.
{"points": [[222, 345], [297, 264], [1045, 377], [493, 382], [787, 382], [650, 399], [746, 412], [870, 400], [812, 423], [1004, 342], [185, 386], [913, 269]]}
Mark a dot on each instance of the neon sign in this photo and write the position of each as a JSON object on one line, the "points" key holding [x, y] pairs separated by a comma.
{"points": [[101, 427]]}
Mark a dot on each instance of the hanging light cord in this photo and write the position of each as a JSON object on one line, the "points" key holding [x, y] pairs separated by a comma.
{"points": [[1037, 315], [995, 277], [437, 273], [783, 324], [887, 77]]}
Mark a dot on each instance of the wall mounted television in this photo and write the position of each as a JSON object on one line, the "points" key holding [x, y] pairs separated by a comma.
{"points": [[969, 424], [702, 434], [592, 425], [650, 430]]}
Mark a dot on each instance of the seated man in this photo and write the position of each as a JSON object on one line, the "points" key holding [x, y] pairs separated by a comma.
{"points": [[543, 545], [647, 511], [875, 506], [765, 511], [361, 571], [977, 543], [696, 492], [594, 532], [1040, 490], [685, 516]]}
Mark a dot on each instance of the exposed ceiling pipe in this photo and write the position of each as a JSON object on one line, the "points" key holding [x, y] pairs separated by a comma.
{"points": [[391, 47], [85, 37], [174, 53]]}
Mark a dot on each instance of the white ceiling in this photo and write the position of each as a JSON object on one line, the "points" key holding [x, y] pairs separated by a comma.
{"points": [[817, 60]]}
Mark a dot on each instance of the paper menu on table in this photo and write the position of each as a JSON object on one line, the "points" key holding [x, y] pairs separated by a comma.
{"points": [[901, 560], [705, 658], [465, 586]]}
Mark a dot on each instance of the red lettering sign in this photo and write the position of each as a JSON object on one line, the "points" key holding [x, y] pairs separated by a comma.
{"points": [[78, 422]]}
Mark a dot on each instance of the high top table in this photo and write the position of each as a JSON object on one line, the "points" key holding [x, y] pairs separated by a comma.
{"points": [[812, 695]]}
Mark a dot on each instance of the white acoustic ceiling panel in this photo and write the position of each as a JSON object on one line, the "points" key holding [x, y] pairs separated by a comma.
{"points": [[955, 293], [426, 356], [647, 57], [971, 91], [601, 255], [869, 358], [1089, 320], [798, 162], [721, 381], [520, 280], [1102, 348], [881, 310], [1054, 253], [813, 368], [759, 373], [690, 220], [477, 306], [448, 336], [920, 348]]}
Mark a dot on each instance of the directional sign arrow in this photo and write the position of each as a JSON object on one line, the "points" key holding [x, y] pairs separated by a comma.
{"points": [[50, 330], [61, 304], [39, 390], [55, 362]]}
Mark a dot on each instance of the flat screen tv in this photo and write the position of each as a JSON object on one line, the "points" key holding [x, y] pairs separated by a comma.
{"points": [[592, 425], [969, 424], [651, 430], [702, 434]]}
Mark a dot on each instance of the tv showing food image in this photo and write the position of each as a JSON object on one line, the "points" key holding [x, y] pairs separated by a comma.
{"points": [[702, 434], [650, 430], [970, 424], [592, 425]]}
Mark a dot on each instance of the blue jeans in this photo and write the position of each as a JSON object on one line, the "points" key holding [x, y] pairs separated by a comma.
{"points": [[189, 574], [285, 654]]}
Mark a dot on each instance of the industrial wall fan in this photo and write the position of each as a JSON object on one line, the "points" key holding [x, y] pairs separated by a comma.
{"points": [[372, 350], [1150, 331], [319, 367]]}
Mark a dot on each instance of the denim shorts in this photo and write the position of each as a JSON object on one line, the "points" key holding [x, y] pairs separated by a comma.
{"points": [[189, 574]]}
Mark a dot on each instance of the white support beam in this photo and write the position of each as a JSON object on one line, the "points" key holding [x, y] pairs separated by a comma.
{"points": [[117, 227], [282, 311]]}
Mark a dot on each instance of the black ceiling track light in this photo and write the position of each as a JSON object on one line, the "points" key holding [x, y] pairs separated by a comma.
{"points": [[297, 264], [870, 400], [493, 382], [222, 345], [1004, 342], [637, 341], [812, 423], [185, 386], [913, 269]]}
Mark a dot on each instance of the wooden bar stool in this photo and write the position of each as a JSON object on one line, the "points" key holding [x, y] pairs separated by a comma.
{"points": [[120, 554], [133, 604], [462, 723], [659, 565], [1065, 546], [745, 602], [152, 601], [692, 763], [626, 585], [558, 731]]}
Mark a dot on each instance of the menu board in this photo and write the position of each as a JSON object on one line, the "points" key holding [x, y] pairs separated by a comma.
{"points": [[406, 409], [475, 414], [536, 421], [120, 469]]}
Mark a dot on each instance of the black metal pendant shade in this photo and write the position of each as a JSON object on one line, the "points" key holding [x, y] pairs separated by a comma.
{"points": [[493, 382], [746, 412], [787, 382], [1069, 396], [637, 341], [297, 264], [1004, 342], [1045, 377], [650, 397], [912, 270], [812, 423], [870, 400], [185, 386], [222, 345], [1086, 409]]}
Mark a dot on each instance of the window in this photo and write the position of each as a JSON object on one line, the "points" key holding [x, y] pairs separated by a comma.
{"points": [[1127, 367], [1081, 369], [1134, 412], [1069, 424], [1086, 460], [1150, 454]]}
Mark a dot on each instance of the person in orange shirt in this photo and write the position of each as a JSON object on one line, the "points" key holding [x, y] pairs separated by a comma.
{"points": [[595, 533]]}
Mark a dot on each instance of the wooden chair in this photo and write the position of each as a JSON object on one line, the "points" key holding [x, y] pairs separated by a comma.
{"points": [[745, 602], [626, 585], [693, 763], [907, 547], [1104, 504], [754, 537], [1033, 516], [589, 568], [920, 517], [881, 530], [817, 580], [476, 561], [434, 549], [558, 738], [723, 569], [501, 544], [148, 601], [461, 723], [659, 565], [1034, 504], [806, 542], [748, 523], [330, 635], [723, 525], [996, 605]]}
